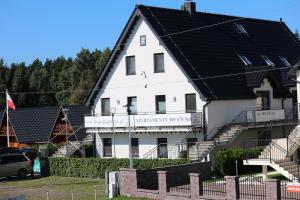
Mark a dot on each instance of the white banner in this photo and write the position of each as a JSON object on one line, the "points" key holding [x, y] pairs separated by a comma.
{"points": [[269, 115], [185, 119]]}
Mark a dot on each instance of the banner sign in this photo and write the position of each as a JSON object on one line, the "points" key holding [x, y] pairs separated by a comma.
{"points": [[269, 115], [185, 119], [293, 187]]}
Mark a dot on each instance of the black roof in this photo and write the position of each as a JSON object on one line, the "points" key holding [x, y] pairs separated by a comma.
{"points": [[212, 51], [34, 125]]}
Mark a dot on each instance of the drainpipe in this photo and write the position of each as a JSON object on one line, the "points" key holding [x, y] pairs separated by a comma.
{"points": [[204, 118]]}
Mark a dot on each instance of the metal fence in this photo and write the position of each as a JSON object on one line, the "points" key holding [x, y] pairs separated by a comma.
{"points": [[285, 194], [181, 189], [252, 187], [214, 187]]}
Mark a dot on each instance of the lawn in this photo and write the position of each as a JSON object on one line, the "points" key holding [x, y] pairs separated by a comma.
{"points": [[57, 188]]}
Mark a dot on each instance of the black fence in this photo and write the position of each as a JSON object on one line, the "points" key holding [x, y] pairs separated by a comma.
{"points": [[214, 187], [180, 189], [288, 195], [252, 187]]}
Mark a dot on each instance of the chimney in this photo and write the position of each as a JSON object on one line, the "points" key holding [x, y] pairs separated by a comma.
{"points": [[189, 6]]}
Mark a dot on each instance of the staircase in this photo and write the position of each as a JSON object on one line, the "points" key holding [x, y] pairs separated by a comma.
{"points": [[73, 146]]}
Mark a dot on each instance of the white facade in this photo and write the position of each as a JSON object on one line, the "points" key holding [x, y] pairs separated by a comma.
{"points": [[174, 84]]}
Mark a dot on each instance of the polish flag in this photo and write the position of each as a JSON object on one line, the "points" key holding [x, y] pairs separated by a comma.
{"points": [[9, 102]]}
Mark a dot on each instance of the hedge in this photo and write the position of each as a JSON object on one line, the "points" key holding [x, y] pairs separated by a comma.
{"points": [[225, 160], [96, 167]]}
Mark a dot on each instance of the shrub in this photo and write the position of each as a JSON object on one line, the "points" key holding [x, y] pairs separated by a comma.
{"points": [[183, 154], [96, 167], [225, 160]]}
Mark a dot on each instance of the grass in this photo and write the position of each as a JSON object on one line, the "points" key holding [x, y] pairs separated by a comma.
{"points": [[57, 187]]}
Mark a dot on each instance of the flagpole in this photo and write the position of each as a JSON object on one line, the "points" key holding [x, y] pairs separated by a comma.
{"points": [[7, 124]]}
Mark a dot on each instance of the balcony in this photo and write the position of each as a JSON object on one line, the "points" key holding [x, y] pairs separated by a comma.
{"points": [[145, 121]]}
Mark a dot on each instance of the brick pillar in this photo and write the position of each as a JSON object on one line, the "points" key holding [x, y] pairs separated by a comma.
{"points": [[128, 182], [196, 185], [273, 189], [162, 183], [232, 187]]}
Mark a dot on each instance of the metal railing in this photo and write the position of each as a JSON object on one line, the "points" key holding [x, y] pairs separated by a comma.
{"points": [[186, 188], [285, 194], [252, 187], [214, 187]]}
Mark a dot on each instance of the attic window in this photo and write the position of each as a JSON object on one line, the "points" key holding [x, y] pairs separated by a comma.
{"points": [[284, 61], [267, 60], [245, 60], [240, 29]]}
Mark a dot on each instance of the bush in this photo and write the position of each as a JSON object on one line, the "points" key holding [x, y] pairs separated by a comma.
{"points": [[183, 154], [96, 167], [225, 160]]}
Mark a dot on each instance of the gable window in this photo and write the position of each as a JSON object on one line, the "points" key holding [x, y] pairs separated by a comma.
{"points": [[105, 106], [159, 63], [130, 65], [190, 103], [240, 29], [263, 100], [143, 40], [133, 102], [267, 60], [160, 103], [107, 147], [284, 61], [245, 60], [135, 147]]}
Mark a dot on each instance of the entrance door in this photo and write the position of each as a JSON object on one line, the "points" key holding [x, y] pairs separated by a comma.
{"points": [[162, 147]]}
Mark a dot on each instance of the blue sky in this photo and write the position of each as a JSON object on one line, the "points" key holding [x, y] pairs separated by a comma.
{"points": [[32, 29]]}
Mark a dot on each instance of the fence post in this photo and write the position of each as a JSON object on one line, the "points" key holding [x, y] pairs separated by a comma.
{"points": [[196, 185], [162, 183], [232, 187], [128, 183], [273, 189]]}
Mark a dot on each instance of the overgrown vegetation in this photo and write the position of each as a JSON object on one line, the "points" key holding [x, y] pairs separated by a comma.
{"points": [[60, 74], [96, 167], [226, 160]]}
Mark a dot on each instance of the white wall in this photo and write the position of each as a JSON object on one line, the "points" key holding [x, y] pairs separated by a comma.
{"points": [[173, 83], [147, 142]]}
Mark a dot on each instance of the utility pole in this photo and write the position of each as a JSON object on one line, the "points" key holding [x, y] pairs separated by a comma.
{"points": [[129, 132], [113, 111]]}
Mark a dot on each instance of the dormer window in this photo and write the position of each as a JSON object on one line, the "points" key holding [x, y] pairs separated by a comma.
{"points": [[284, 61], [245, 60], [267, 60], [240, 29]]}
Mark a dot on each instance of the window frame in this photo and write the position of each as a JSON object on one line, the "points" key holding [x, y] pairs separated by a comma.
{"points": [[127, 65], [263, 94], [133, 113], [186, 103], [102, 106], [154, 62], [141, 40], [157, 104], [104, 152], [161, 145], [135, 151]]}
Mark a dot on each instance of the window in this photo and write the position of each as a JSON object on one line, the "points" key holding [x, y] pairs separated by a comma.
{"points": [[191, 143], [130, 65], [267, 60], [105, 106], [107, 150], [245, 60], [162, 147], [240, 29], [159, 63], [263, 100], [190, 103], [135, 147], [284, 61], [133, 107], [160, 101], [143, 40]]}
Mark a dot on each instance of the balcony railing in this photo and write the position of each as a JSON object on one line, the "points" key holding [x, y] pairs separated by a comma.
{"points": [[145, 120]]}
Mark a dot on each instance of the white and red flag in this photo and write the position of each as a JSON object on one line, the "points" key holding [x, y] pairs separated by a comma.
{"points": [[9, 102]]}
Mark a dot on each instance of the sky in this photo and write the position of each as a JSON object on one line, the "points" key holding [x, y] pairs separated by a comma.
{"points": [[31, 29]]}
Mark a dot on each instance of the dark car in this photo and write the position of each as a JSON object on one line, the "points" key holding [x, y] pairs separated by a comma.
{"points": [[31, 153], [15, 165]]}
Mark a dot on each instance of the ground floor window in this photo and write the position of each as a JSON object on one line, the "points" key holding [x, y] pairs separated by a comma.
{"points": [[107, 147], [191, 142], [162, 147], [135, 147]]}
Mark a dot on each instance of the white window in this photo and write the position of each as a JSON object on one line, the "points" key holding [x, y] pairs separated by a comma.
{"points": [[160, 103], [267, 60], [143, 40], [240, 29], [105, 106], [133, 103], [284, 61], [130, 65], [159, 65], [245, 60]]}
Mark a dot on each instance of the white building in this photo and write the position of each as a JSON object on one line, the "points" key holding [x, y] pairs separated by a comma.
{"points": [[189, 76]]}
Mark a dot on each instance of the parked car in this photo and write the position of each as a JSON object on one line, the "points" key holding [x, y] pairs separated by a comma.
{"points": [[15, 165], [28, 151]]}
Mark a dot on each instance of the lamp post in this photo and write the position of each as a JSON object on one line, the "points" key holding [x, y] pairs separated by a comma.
{"points": [[129, 132], [113, 111]]}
